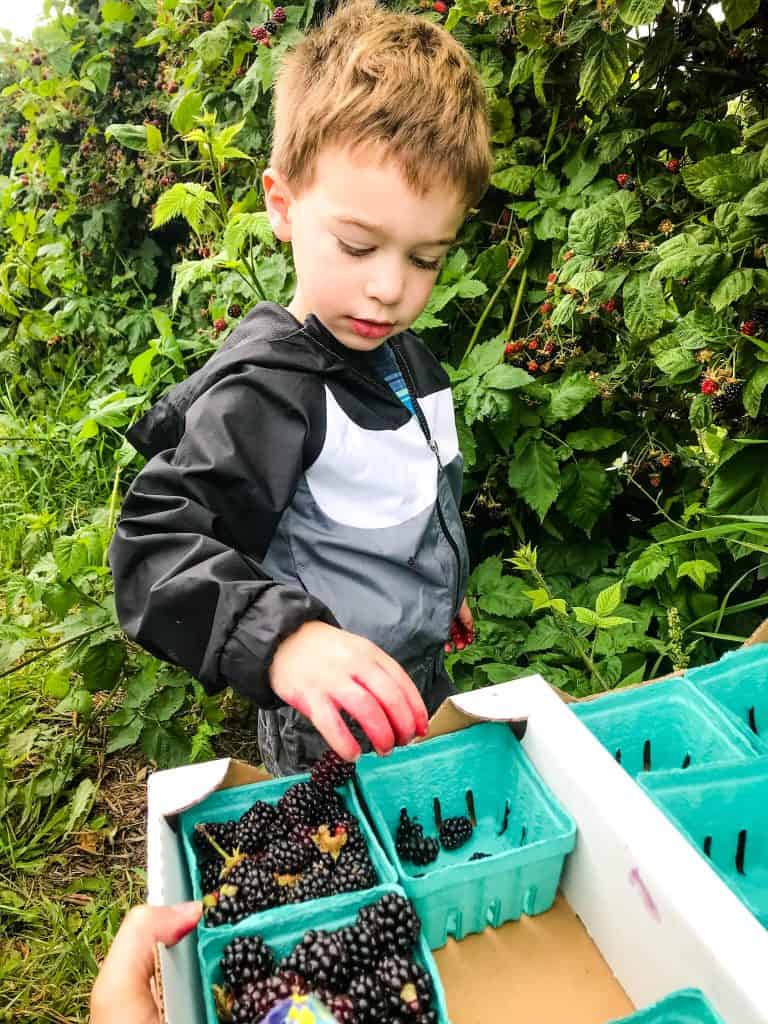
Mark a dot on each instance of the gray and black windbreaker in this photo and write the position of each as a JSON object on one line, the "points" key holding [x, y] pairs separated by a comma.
{"points": [[285, 483]]}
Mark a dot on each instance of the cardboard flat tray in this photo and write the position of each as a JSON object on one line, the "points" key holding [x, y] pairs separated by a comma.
{"points": [[653, 914]]}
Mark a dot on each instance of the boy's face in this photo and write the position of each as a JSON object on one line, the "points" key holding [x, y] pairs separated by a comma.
{"points": [[370, 280]]}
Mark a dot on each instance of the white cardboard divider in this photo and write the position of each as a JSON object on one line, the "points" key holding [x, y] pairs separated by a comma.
{"points": [[660, 916]]}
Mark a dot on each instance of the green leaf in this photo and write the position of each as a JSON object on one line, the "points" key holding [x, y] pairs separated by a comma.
{"points": [[644, 307], [594, 439], [740, 484], [755, 202], [595, 229], [515, 180], [154, 139], [697, 570], [117, 12], [603, 68], [81, 804], [639, 12], [753, 390], [185, 109], [570, 395], [133, 136], [188, 273], [506, 378], [506, 596], [718, 178], [540, 599], [585, 616], [535, 474], [648, 567], [101, 665], [612, 621], [732, 287], [185, 199], [585, 495], [608, 600], [126, 735], [545, 635], [739, 11], [70, 555]]}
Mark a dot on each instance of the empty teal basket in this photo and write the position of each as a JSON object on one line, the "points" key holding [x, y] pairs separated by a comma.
{"points": [[722, 812], [663, 726], [739, 683], [521, 829], [688, 1006], [226, 804], [281, 935]]}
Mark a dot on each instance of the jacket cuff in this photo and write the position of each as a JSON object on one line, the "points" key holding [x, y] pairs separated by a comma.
{"points": [[248, 650]]}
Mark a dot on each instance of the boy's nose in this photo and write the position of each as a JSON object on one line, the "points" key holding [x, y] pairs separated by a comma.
{"points": [[385, 285]]}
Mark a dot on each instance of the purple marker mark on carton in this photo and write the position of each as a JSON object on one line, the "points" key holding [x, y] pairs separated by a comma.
{"points": [[648, 900]]}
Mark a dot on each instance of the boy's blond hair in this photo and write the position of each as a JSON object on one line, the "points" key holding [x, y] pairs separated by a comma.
{"points": [[368, 76]]}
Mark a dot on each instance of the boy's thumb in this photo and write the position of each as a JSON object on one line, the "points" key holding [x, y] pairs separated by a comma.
{"points": [[170, 924]]}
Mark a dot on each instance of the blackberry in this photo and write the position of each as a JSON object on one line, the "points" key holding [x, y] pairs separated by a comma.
{"points": [[616, 253], [321, 958], [424, 851], [258, 998], [454, 832], [259, 826], [222, 832], [306, 803], [271, 26], [225, 910], [411, 843], [234, 311], [341, 1006], [393, 922], [732, 392], [353, 873], [245, 960], [247, 889], [287, 857], [331, 771], [209, 875], [316, 882], [279, 15], [406, 986], [361, 945], [369, 999]]}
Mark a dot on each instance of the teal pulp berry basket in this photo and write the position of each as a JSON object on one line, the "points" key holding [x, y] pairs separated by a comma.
{"points": [[688, 1006], [722, 812], [281, 935], [227, 804], [664, 727], [738, 682], [521, 828]]}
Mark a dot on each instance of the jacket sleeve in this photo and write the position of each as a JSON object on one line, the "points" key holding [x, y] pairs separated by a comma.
{"points": [[197, 521]]}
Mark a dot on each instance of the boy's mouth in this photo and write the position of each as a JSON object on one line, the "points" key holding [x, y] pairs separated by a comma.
{"points": [[370, 328]]}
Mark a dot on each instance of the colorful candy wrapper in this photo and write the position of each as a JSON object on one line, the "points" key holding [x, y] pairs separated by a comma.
{"points": [[299, 1010]]}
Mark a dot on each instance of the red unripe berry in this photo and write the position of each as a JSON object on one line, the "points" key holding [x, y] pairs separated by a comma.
{"points": [[673, 166], [533, 366], [504, 218], [654, 480], [546, 307], [220, 324], [749, 327], [172, 87], [708, 386], [258, 32], [622, 179], [533, 344], [279, 15], [207, 17], [440, 7], [552, 278], [549, 348], [509, 348]]}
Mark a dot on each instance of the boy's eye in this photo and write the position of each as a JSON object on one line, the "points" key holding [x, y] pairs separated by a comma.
{"points": [[421, 264]]}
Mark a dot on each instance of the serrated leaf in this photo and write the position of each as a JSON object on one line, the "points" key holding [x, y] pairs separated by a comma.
{"points": [[644, 306], [595, 229], [585, 616], [70, 555], [515, 180], [506, 378], [506, 596], [753, 390], [697, 569], [125, 735], [188, 273], [603, 68], [185, 109], [594, 439], [101, 665], [570, 395], [648, 567], [731, 288], [739, 11], [185, 199], [535, 474], [133, 136], [755, 202], [608, 600], [639, 12], [586, 492]]}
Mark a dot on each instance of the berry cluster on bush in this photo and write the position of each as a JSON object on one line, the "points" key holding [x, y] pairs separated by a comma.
{"points": [[305, 846], [365, 973], [263, 33]]}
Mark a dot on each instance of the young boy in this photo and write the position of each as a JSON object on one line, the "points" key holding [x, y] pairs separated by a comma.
{"points": [[296, 532]]}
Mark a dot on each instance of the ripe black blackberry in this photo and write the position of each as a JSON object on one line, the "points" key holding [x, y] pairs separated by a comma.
{"points": [[369, 999], [225, 910], [259, 826], [258, 998], [209, 875], [271, 26], [305, 803], [234, 311], [360, 943], [246, 960], [393, 922], [732, 392], [406, 985], [454, 832], [289, 857], [411, 843], [317, 881], [247, 889], [321, 958], [332, 771], [354, 872], [224, 833]]}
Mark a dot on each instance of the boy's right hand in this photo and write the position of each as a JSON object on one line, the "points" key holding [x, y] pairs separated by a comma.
{"points": [[321, 670]]}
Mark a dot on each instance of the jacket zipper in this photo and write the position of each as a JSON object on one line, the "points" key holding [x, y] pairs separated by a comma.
{"points": [[405, 369]]}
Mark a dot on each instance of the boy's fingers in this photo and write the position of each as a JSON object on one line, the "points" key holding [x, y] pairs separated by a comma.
{"points": [[358, 702], [407, 688], [334, 730], [393, 701]]}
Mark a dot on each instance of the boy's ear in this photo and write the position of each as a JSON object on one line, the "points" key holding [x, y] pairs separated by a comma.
{"points": [[278, 198]]}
